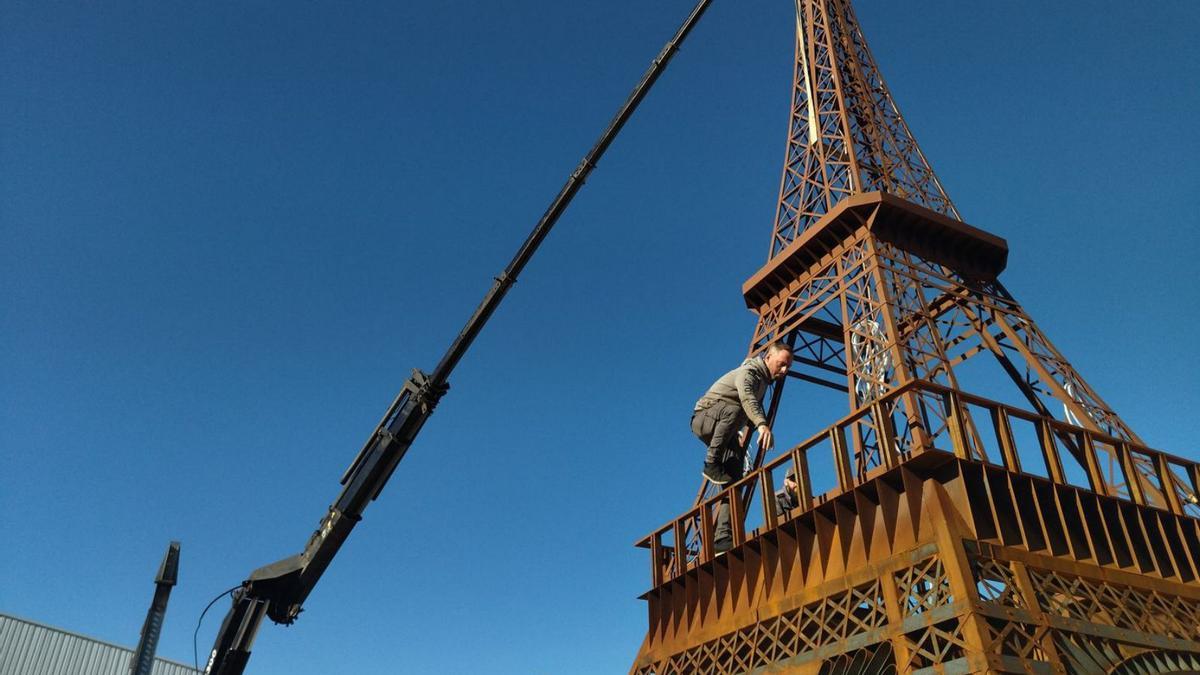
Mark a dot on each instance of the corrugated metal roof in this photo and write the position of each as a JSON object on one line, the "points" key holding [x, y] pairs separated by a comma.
{"points": [[30, 648]]}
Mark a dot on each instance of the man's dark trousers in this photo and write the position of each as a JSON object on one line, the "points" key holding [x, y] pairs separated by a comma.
{"points": [[717, 425]]}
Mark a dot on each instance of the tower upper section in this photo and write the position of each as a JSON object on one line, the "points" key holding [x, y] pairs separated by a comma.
{"points": [[845, 134]]}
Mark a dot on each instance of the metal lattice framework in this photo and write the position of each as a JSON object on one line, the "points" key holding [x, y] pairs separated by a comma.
{"points": [[845, 133], [952, 532], [880, 307], [940, 561]]}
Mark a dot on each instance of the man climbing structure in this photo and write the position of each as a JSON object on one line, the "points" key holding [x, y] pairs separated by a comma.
{"points": [[731, 401], [721, 415]]}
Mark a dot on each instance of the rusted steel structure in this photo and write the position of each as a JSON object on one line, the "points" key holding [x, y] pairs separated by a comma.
{"points": [[936, 530]]}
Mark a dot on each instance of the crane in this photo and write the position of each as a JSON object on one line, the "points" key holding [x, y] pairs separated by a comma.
{"points": [[277, 591]]}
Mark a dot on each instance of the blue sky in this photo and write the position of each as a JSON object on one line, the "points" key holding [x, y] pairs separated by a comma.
{"points": [[228, 231]]}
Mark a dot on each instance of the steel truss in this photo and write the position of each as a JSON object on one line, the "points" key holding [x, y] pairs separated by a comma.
{"points": [[935, 559], [845, 133], [957, 533]]}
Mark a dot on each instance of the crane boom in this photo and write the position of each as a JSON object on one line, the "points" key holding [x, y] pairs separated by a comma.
{"points": [[279, 590]]}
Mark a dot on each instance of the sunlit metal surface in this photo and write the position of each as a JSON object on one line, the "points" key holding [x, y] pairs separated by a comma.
{"points": [[952, 533]]}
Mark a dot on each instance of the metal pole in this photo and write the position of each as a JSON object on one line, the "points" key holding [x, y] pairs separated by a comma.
{"points": [[142, 660]]}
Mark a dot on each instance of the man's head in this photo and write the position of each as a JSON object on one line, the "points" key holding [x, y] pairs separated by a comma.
{"points": [[778, 359]]}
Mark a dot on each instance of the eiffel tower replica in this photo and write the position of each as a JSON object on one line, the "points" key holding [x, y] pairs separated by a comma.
{"points": [[936, 530]]}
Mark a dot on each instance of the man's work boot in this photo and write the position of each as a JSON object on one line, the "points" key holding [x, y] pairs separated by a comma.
{"points": [[722, 545], [716, 474]]}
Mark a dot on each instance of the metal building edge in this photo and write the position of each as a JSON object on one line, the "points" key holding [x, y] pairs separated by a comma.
{"points": [[33, 648]]}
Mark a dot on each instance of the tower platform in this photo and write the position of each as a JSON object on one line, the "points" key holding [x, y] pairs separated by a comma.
{"points": [[936, 561]]}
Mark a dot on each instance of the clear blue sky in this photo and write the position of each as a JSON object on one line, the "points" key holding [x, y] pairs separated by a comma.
{"points": [[228, 231]]}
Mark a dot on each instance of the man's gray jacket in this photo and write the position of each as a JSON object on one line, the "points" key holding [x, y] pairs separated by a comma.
{"points": [[745, 386]]}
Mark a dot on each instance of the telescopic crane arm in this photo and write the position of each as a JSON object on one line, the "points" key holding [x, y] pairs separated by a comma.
{"points": [[279, 590]]}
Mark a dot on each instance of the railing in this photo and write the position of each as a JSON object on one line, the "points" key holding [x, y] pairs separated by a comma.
{"points": [[882, 435]]}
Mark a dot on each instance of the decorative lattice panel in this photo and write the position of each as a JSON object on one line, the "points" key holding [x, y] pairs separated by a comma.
{"points": [[935, 644], [1116, 605], [830, 621], [996, 584], [923, 587], [1013, 638]]}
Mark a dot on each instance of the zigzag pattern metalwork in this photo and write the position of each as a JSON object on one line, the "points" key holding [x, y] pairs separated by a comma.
{"points": [[947, 532], [942, 563]]}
